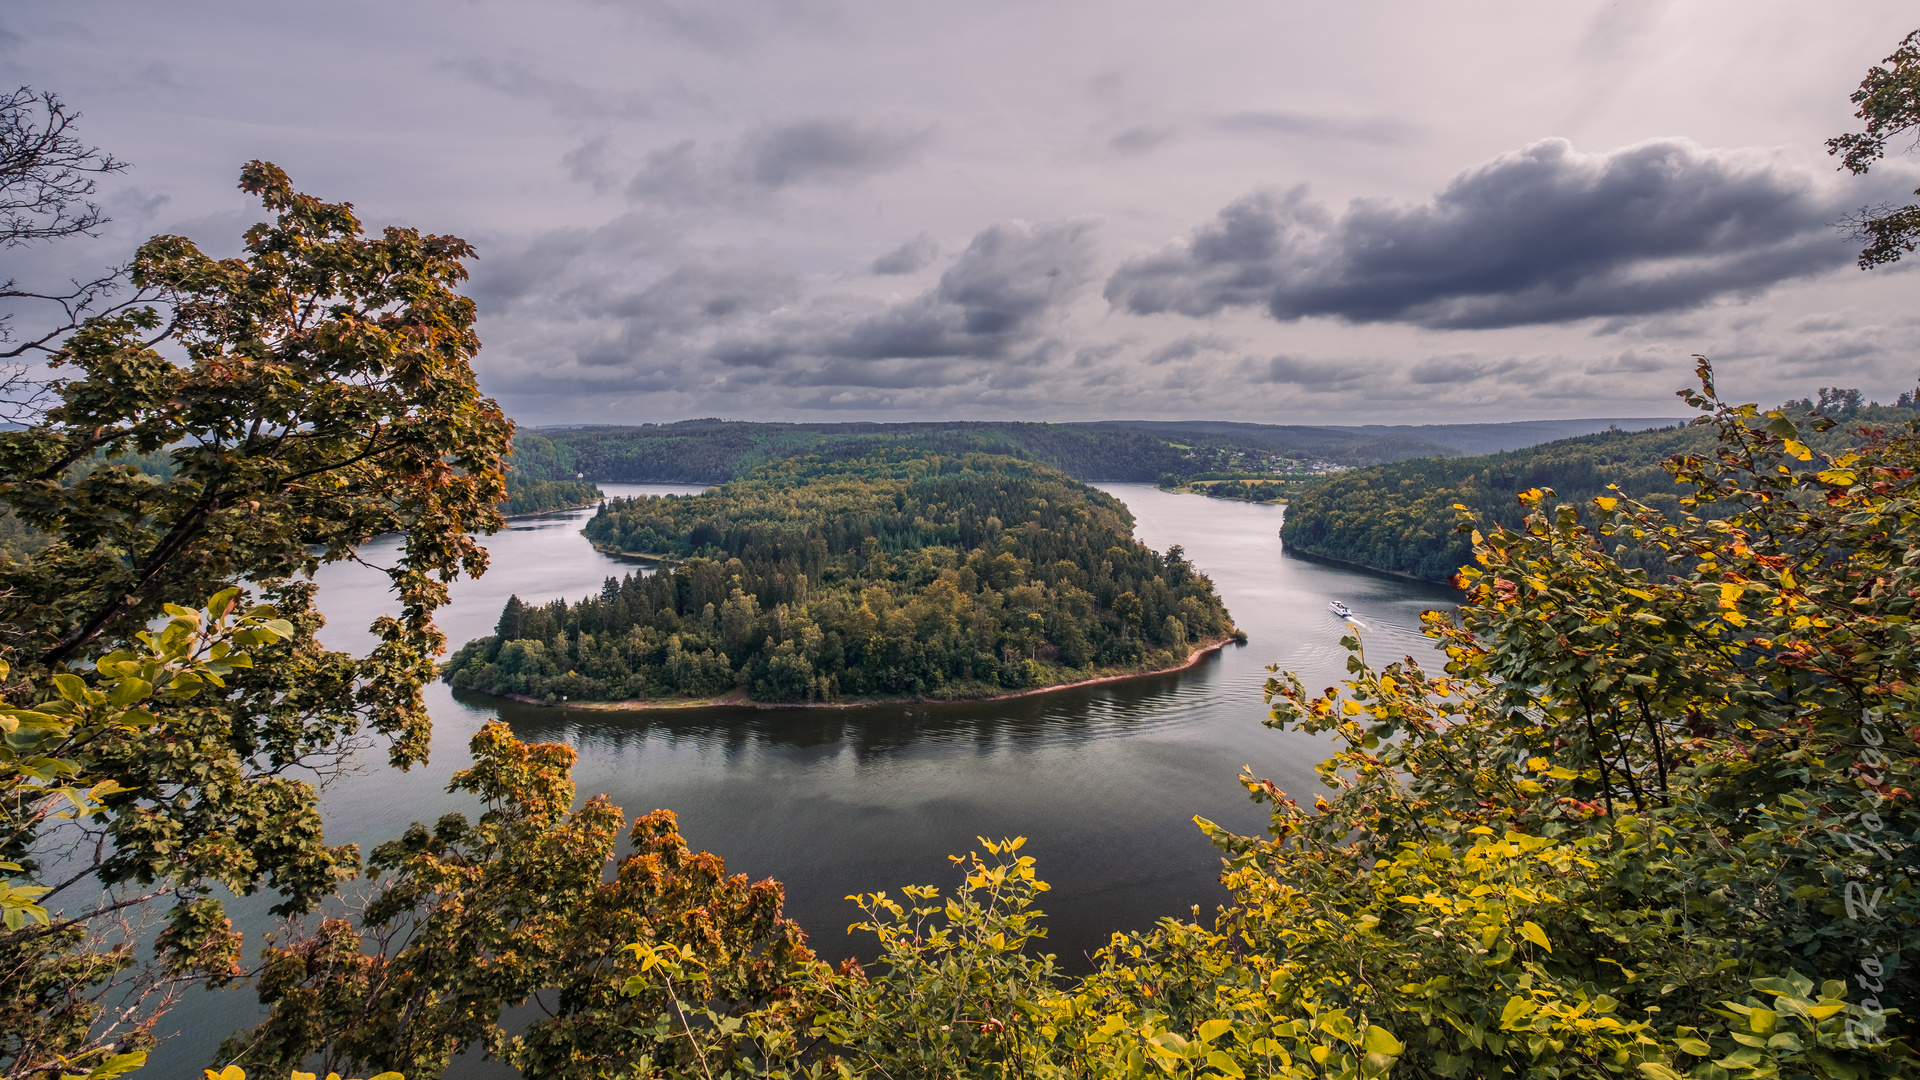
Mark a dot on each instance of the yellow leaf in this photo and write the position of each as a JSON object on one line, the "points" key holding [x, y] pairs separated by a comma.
{"points": [[231, 1072], [1381, 1041], [1533, 933], [118, 1065], [1798, 449], [1226, 1066]]}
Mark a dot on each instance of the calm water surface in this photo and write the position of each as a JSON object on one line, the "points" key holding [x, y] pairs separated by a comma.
{"points": [[1104, 781]]}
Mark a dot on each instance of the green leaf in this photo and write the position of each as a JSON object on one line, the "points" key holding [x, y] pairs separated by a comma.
{"points": [[70, 687], [127, 691]]}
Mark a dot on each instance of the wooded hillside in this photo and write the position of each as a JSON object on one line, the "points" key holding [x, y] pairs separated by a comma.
{"points": [[1399, 517], [714, 451]]}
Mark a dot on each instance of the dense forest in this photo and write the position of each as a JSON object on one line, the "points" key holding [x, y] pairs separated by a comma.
{"points": [[885, 571], [713, 451], [1400, 517], [541, 478]]}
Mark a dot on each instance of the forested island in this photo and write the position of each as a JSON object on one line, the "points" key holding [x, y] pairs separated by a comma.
{"points": [[895, 572]]}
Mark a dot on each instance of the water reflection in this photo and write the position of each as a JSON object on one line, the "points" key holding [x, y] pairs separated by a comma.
{"points": [[1104, 780]]}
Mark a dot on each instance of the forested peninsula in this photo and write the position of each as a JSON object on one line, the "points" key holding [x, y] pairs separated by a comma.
{"points": [[887, 572]]}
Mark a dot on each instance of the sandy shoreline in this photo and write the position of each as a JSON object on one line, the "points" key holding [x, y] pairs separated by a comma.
{"points": [[739, 698]]}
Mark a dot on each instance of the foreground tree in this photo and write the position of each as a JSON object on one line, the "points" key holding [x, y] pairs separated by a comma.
{"points": [[478, 916], [320, 393], [1646, 822], [1889, 103]]}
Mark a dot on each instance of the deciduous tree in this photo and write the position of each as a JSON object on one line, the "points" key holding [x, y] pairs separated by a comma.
{"points": [[1889, 103], [306, 396]]}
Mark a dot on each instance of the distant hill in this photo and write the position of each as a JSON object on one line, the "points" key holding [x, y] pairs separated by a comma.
{"points": [[714, 451], [1493, 438], [1397, 442]]}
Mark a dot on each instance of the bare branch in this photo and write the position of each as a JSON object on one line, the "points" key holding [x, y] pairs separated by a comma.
{"points": [[46, 174]]}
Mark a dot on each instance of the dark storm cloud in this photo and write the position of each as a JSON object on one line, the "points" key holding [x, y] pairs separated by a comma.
{"points": [[1641, 360], [1373, 129], [729, 28], [1459, 368], [829, 151], [826, 151], [588, 164], [1303, 371], [916, 254], [564, 96], [996, 301], [1142, 138], [559, 266], [1541, 235], [997, 293], [1187, 347], [666, 320], [703, 291], [503, 278]]}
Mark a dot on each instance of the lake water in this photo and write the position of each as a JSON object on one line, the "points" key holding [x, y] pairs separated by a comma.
{"points": [[1104, 781]]}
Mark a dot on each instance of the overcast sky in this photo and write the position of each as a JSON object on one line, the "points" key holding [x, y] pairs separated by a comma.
{"points": [[1283, 212]]}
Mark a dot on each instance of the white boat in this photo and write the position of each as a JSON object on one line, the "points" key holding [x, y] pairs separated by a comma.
{"points": [[1341, 609]]}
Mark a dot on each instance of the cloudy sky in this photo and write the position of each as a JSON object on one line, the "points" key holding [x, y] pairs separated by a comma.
{"points": [[1262, 210]]}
